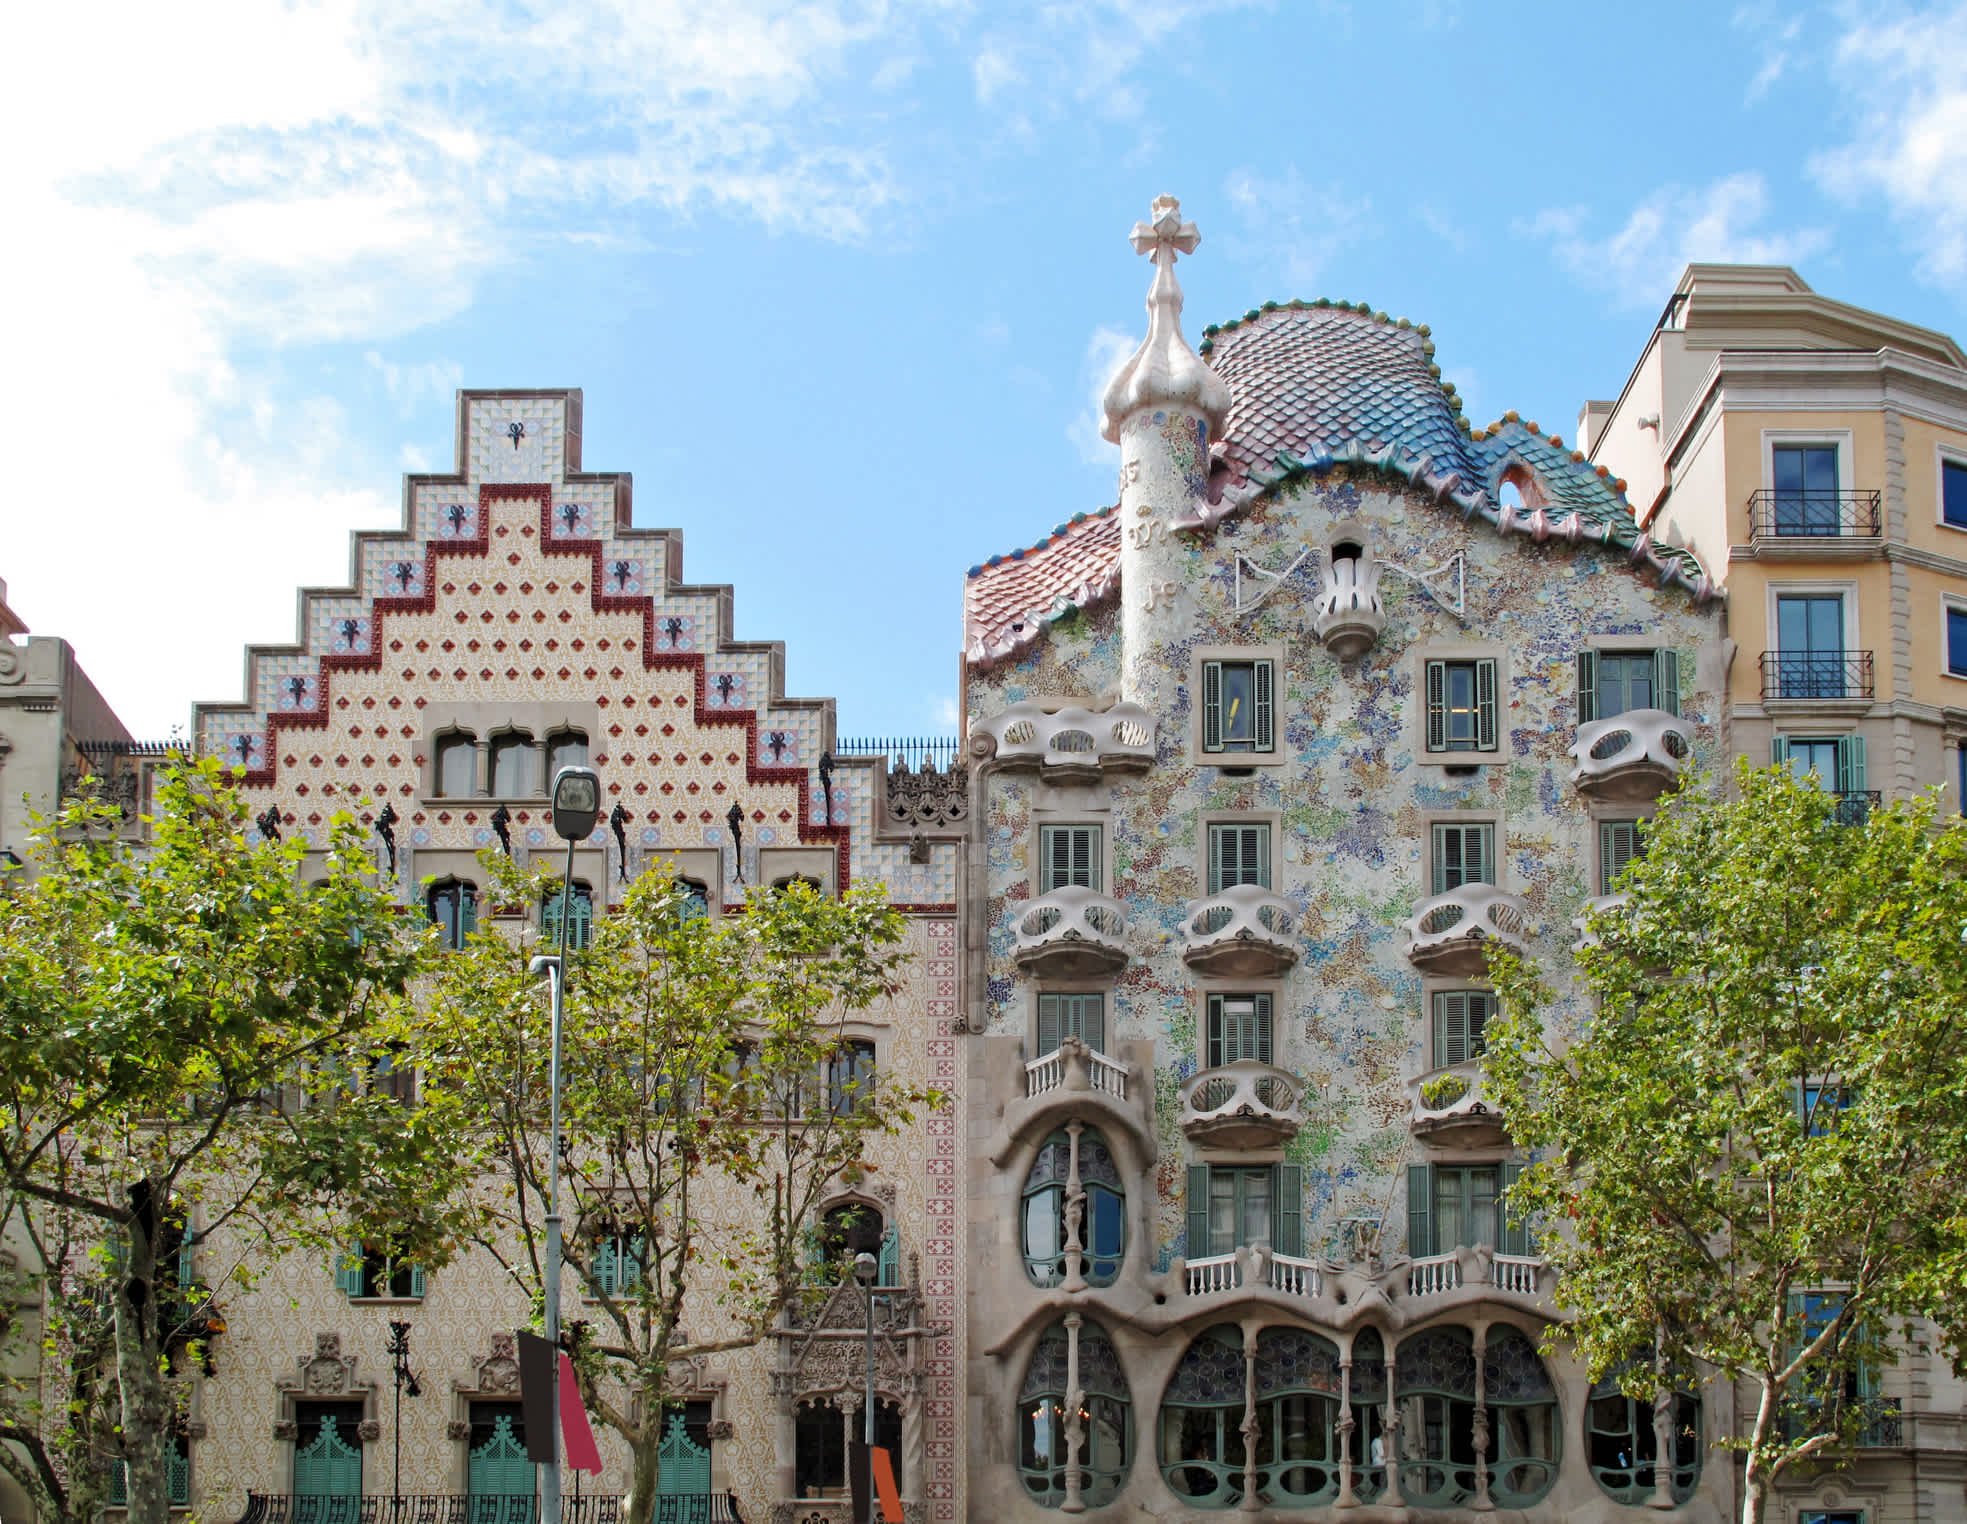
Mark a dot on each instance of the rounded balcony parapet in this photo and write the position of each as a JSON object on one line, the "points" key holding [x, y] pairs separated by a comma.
{"points": [[1247, 1104], [1245, 930], [1071, 932], [1451, 933], [1451, 1106], [1602, 904], [1071, 742], [1636, 755]]}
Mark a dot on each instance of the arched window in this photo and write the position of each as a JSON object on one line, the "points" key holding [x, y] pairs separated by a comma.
{"points": [[1523, 1420], [1103, 1224], [1621, 1446], [1297, 1418], [512, 766], [696, 899], [453, 908], [1368, 1414], [564, 748], [850, 1229], [1202, 1453], [457, 766], [1105, 1417], [1435, 1371], [849, 1076], [780, 885], [819, 1441], [580, 928]]}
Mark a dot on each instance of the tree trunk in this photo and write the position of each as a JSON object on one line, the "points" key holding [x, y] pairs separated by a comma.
{"points": [[645, 1447], [147, 1405], [1755, 1493]]}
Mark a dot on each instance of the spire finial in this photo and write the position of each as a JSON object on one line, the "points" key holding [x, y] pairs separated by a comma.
{"points": [[1164, 371]]}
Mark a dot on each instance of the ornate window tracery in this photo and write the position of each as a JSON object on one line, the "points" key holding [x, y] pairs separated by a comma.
{"points": [[1266, 1426], [1047, 1422], [1523, 1422], [1059, 1221], [1477, 1425], [1622, 1442]]}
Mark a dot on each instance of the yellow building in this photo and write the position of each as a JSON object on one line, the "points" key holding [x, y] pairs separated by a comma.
{"points": [[1814, 455]]}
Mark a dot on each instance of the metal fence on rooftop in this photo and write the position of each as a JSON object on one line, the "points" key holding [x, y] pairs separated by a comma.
{"points": [[912, 752]]}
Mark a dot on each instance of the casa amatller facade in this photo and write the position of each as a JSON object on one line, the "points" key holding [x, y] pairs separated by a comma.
{"points": [[1254, 763]]}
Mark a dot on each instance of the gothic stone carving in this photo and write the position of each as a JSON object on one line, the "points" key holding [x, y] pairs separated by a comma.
{"points": [[929, 800], [325, 1373], [721, 1428], [285, 1428], [497, 1375], [457, 1429], [370, 1429]]}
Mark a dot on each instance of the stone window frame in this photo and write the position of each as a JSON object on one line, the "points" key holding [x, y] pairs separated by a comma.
{"points": [[775, 865], [485, 722], [1462, 651], [1495, 819], [1278, 657], [1084, 815], [1272, 819]]}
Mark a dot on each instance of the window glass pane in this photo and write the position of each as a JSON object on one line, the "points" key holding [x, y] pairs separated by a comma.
{"points": [[1625, 681], [1068, 855], [1461, 705], [1957, 641], [457, 766], [1239, 706], [1256, 1205], [1814, 759], [512, 768], [566, 749], [1222, 1211], [1953, 484]]}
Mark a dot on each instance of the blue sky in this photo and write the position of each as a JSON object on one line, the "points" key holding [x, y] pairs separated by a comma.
{"points": [[841, 279]]}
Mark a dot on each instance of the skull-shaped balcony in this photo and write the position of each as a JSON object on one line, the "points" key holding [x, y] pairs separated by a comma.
{"points": [[1451, 933], [1245, 931], [1604, 904], [1072, 933], [1348, 615], [1451, 1107], [1247, 1104], [1070, 745], [1632, 756]]}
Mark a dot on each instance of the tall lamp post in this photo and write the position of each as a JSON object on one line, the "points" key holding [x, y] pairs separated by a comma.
{"points": [[398, 1350], [576, 806]]}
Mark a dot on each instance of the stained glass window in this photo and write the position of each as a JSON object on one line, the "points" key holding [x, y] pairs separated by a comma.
{"points": [[1105, 1419]]}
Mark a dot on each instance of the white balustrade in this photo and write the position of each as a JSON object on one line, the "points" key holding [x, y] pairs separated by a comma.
{"points": [[1451, 931], [1107, 1074], [1216, 1272], [1043, 1074], [1048, 1071], [1243, 930], [1295, 1277], [1434, 1274], [1071, 739], [1634, 755], [1072, 930], [1515, 1272]]}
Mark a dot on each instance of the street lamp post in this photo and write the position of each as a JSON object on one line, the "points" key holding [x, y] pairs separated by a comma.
{"points": [[398, 1349], [866, 1267], [576, 806]]}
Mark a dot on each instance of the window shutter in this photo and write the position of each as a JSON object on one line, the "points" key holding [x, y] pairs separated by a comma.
{"points": [[467, 911], [1085, 865], [1219, 847], [1260, 678], [1666, 681], [1618, 844], [1048, 1024], [416, 1280], [1450, 1029], [1587, 686], [1212, 706], [1437, 707], [1287, 1209], [188, 1257], [1090, 1027], [1485, 705], [1850, 764], [891, 1257], [1515, 1233], [1260, 837], [119, 1484], [1779, 751], [1198, 1211], [178, 1474], [1262, 1054], [1441, 859], [1420, 1211], [1215, 1037], [607, 1266], [348, 1271], [1477, 853]]}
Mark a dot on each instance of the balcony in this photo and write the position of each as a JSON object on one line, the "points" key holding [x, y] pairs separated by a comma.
{"points": [[1451, 1107], [1451, 933], [1074, 1066], [1632, 756], [1246, 931], [462, 1508], [1215, 1274], [1791, 522], [1788, 675], [1439, 1275], [1604, 904], [1070, 745], [1247, 1104], [1072, 933], [1854, 806]]}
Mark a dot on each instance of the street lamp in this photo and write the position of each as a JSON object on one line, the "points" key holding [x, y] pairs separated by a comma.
{"points": [[398, 1349], [576, 806], [866, 1267]]}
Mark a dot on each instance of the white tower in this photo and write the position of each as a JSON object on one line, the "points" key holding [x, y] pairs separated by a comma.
{"points": [[1164, 409]]}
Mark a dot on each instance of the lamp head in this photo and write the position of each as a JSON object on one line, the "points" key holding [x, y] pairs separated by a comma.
{"points": [[576, 802], [866, 1267]]}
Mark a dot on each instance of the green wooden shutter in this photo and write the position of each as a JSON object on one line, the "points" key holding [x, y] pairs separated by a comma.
{"points": [[1218, 855], [1213, 1057], [499, 1468], [1779, 751], [416, 1280], [1263, 1029], [1089, 1023], [606, 1266], [1450, 1028], [1440, 877], [1198, 1211], [1068, 855], [891, 1257], [328, 1468], [1587, 686], [1420, 1210], [348, 1271], [1666, 681], [1485, 705], [1478, 854], [1048, 1024], [177, 1473], [1514, 1234], [1437, 706], [1212, 706], [1260, 682], [119, 1484], [684, 1465], [188, 1257], [1618, 844], [1287, 1209], [1850, 764]]}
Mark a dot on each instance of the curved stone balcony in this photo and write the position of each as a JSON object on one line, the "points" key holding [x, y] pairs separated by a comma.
{"points": [[1247, 1104], [1070, 744], [1348, 614], [1245, 931], [1452, 1107], [1602, 902], [1254, 1265], [1072, 933], [1443, 1275], [1632, 756], [1451, 933]]}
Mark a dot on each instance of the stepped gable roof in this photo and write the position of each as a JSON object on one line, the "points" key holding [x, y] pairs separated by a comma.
{"points": [[1009, 599], [1316, 385]]}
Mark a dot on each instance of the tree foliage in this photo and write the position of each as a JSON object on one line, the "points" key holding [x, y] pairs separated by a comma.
{"points": [[1754, 1153], [707, 1112], [186, 1028]]}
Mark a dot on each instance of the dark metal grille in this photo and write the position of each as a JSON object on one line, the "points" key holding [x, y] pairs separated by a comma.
{"points": [[1854, 807], [1798, 515], [1816, 675], [461, 1508], [912, 752]]}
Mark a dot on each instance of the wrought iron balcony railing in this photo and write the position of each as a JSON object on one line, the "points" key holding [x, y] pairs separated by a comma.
{"points": [[1816, 675], [1774, 515], [1854, 806], [465, 1508]]}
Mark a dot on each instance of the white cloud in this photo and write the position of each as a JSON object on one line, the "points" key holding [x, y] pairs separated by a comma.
{"points": [[1291, 228], [1106, 351], [1672, 228], [412, 387], [1774, 33], [947, 713], [1905, 83]]}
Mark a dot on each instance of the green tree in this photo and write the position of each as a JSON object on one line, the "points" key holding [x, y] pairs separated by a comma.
{"points": [[709, 1104], [1754, 1153], [186, 1028]]}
